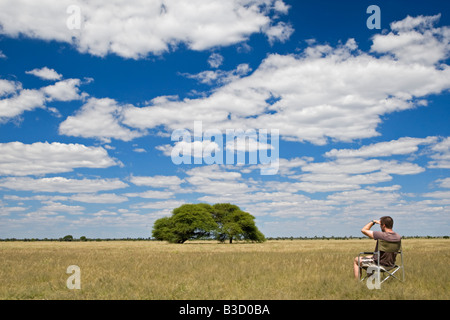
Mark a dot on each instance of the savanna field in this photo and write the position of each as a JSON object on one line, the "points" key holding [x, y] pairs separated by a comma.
{"points": [[207, 270]]}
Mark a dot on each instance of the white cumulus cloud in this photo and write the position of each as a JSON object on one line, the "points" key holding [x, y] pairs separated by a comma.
{"points": [[60, 184], [99, 118], [19, 159], [15, 100], [136, 28], [326, 92], [403, 145], [45, 73]]}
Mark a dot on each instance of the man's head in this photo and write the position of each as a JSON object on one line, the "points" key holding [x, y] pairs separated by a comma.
{"points": [[386, 222]]}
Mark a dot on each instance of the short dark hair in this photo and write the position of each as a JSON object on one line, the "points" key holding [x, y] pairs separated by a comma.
{"points": [[387, 221]]}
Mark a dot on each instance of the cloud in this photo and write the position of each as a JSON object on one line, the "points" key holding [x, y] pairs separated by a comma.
{"points": [[340, 195], [17, 100], [213, 172], [8, 87], [65, 90], [61, 185], [440, 154], [405, 145], [171, 182], [152, 194], [136, 28], [288, 166], [168, 205], [338, 93], [414, 40], [101, 119], [351, 169], [365, 197], [281, 7], [350, 173], [45, 73], [444, 183], [279, 32], [215, 60], [24, 100], [6, 211], [52, 207], [352, 181], [215, 180], [242, 144], [36, 198], [19, 159], [281, 199], [99, 198], [439, 195], [220, 76]]}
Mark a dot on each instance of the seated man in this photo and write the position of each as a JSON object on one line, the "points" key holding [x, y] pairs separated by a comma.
{"points": [[386, 258]]}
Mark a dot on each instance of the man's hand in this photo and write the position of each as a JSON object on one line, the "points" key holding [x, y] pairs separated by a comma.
{"points": [[376, 221]]}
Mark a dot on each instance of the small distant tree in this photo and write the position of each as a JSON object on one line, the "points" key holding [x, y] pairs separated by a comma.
{"points": [[68, 238]]}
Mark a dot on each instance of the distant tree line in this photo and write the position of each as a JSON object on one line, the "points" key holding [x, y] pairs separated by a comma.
{"points": [[267, 238], [84, 239], [71, 238], [350, 237]]}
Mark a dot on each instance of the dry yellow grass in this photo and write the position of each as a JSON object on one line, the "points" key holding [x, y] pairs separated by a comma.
{"points": [[286, 270]]}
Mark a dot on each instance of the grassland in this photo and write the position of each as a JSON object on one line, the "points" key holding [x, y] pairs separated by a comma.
{"points": [[286, 270]]}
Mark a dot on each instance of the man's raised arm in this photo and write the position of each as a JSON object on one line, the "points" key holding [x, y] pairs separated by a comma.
{"points": [[366, 229]]}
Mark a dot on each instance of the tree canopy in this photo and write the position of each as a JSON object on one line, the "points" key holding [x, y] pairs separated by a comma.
{"points": [[222, 221], [233, 223]]}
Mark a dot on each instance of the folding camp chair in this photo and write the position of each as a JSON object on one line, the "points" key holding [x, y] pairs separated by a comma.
{"points": [[375, 267]]}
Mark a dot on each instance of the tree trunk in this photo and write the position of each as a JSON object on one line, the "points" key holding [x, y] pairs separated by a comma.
{"points": [[231, 239]]}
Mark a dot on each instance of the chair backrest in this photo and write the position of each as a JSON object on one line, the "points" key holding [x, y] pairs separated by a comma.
{"points": [[388, 252], [387, 246]]}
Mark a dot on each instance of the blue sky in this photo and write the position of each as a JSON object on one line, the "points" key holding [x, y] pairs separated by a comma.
{"points": [[88, 109]]}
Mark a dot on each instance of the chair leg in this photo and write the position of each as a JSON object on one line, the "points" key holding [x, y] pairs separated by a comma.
{"points": [[364, 277], [391, 275]]}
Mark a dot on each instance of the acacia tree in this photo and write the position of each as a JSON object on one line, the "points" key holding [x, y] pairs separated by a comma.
{"points": [[223, 221], [189, 221], [233, 223]]}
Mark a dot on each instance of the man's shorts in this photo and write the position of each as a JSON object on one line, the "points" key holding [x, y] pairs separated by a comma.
{"points": [[367, 261]]}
